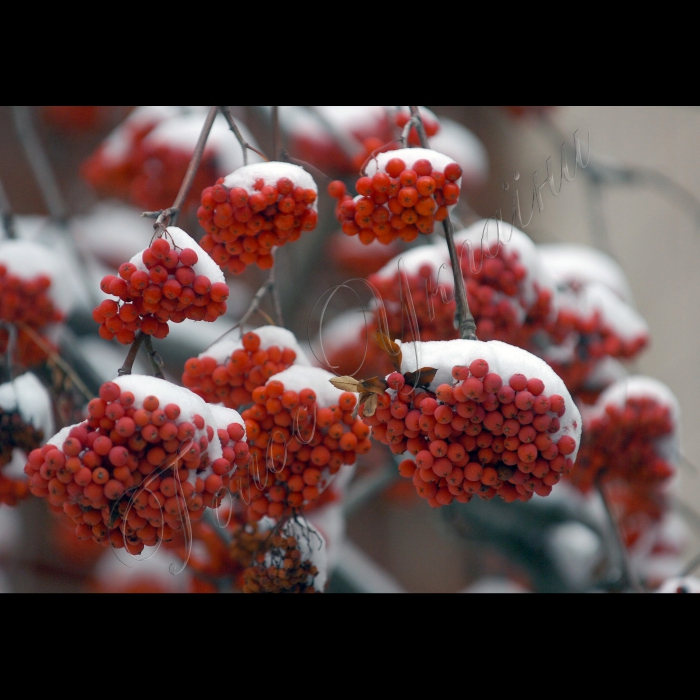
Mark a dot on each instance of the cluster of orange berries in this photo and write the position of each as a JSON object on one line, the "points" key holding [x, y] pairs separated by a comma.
{"points": [[15, 433], [398, 200], [296, 445], [622, 443], [129, 474], [287, 571], [168, 289], [255, 209], [26, 302], [232, 382], [479, 436], [144, 173]]}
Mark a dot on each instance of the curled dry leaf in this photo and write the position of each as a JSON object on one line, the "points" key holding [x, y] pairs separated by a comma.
{"points": [[368, 389], [421, 377], [388, 345], [345, 383]]}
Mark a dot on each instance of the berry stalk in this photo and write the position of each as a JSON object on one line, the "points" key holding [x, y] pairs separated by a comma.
{"points": [[133, 351], [226, 111], [6, 214], [465, 320], [627, 578]]}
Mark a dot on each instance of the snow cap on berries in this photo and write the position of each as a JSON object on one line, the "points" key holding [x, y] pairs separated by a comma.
{"points": [[270, 172], [574, 263], [638, 386], [176, 237], [28, 260], [269, 336], [503, 359], [28, 396], [297, 378]]}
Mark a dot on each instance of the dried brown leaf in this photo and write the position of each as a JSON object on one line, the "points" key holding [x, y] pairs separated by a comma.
{"points": [[346, 383], [368, 404], [388, 345], [375, 385], [420, 378]]}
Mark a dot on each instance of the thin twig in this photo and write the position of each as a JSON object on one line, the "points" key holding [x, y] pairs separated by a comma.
{"points": [[10, 348], [276, 133], [226, 111], [58, 360], [274, 292], [691, 566], [8, 219], [154, 357], [348, 144], [465, 320], [39, 164], [169, 216], [133, 351], [627, 577], [413, 121], [312, 169]]}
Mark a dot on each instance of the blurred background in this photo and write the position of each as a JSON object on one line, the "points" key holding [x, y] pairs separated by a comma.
{"points": [[638, 200]]}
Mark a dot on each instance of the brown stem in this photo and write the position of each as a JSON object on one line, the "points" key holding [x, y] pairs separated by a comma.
{"points": [[10, 348], [58, 360], [39, 164], [274, 292], [154, 357], [348, 144], [6, 214], [312, 169], [276, 132], [169, 216], [627, 577], [226, 111], [465, 320], [133, 351]]}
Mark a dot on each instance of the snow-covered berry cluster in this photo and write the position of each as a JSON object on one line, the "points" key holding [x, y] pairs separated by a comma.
{"points": [[149, 454], [493, 420], [230, 370], [255, 209], [172, 280], [402, 194]]}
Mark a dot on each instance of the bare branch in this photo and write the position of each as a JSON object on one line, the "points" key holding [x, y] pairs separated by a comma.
{"points": [[226, 111], [6, 214]]}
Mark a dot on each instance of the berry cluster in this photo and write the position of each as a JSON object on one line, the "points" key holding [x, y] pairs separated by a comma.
{"points": [[172, 280], [144, 161], [253, 210], [301, 431], [291, 575], [293, 560], [403, 194], [27, 302], [628, 437], [128, 474], [15, 432], [229, 371], [479, 433]]}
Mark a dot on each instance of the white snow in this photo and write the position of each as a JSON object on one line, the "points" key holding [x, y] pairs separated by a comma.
{"points": [[436, 256], [690, 584], [296, 378], [204, 265], [577, 551], [29, 396], [617, 314], [269, 335], [223, 417], [577, 263], [270, 172]]}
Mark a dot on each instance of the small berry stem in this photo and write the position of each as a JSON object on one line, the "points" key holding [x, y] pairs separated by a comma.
{"points": [[39, 164], [274, 293], [226, 111], [627, 578], [58, 360], [133, 351], [6, 214], [154, 357], [10, 349], [276, 132], [317, 174], [413, 121], [172, 213], [465, 321]]}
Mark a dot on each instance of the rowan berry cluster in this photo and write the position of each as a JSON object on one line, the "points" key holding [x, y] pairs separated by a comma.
{"points": [[26, 302], [135, 167], [15, 432], [255, 209], [229, 371], [293, 560], [484, 432], [172, 280], [402, 195], [624, 439], [301, 431], [140, 464]]}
